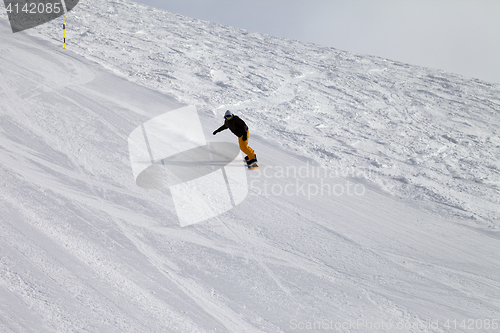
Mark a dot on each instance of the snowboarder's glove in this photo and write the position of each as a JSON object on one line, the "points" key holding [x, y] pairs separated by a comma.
{"points": [[215, 132], [245, 137]]}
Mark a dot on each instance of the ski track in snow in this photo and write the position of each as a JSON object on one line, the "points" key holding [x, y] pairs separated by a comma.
{"points": [[83, 249]]}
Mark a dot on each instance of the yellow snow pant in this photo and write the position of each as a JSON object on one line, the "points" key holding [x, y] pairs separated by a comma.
{"points": [[245, 148]]}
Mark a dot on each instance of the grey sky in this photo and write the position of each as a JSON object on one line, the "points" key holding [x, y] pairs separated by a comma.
{"points": [[458, 36]]}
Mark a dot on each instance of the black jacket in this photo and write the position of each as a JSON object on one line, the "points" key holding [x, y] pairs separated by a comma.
{"points": [[235, 125]]}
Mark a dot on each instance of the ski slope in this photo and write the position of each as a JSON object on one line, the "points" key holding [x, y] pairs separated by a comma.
{"points": [[409, 238], [418, 133]]}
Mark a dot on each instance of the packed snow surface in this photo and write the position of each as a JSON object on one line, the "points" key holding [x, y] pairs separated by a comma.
{"points": [[377, 201]]}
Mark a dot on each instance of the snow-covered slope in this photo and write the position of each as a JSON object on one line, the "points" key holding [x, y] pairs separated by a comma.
{"points": [[85, 249], [419, 133]]}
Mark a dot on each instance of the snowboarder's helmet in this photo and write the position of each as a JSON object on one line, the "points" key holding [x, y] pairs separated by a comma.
{"points": [[228, 115]]}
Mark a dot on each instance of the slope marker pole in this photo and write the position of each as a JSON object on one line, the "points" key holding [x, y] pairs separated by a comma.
{"points": [[64, 31], [65, 10]]}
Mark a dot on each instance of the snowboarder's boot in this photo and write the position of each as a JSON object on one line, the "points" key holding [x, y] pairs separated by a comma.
{"points": [[252, 163], [254, 160]]}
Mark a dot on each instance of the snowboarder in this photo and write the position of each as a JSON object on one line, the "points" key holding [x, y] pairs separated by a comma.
{"points": [[240, 129]]}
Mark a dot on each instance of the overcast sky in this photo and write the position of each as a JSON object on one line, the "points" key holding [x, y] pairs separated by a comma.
{"points": [[458, 36]]}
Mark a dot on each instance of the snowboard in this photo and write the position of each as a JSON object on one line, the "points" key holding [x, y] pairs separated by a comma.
{"points": [[253, 166]]}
